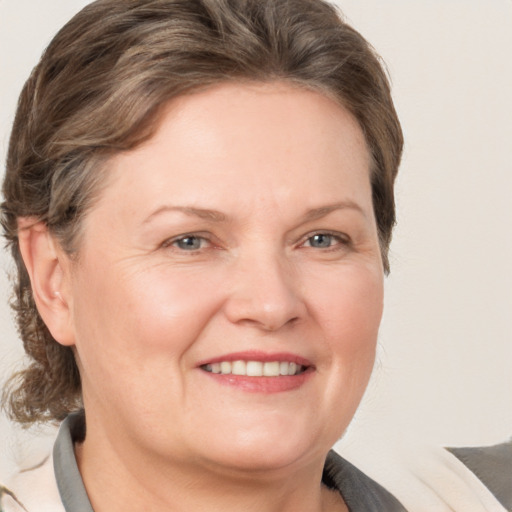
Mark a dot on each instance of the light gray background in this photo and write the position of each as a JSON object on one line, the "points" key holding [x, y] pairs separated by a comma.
{"points": [[445, 357]]}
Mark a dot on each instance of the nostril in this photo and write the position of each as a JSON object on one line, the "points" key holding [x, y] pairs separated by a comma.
{"points": [[264, 295]]}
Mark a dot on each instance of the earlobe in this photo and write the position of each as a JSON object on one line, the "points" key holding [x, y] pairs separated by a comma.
{"points": [[48, 268]]}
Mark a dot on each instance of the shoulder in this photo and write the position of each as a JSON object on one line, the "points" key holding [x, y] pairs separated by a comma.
{"points": [[360, 492], [493, 467], [427, 478], [33, 490]]}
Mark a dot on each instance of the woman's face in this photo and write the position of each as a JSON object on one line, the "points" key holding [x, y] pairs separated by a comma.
{"points": [[242, 231]]}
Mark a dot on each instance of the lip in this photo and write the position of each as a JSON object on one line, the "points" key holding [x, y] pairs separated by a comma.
{"points": [[265, 385]]}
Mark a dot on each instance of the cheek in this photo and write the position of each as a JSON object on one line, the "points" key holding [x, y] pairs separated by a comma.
{"points": [[171, 309], [349, 305], [141, 314], [347, 308], [134, 342], [349, 312]]}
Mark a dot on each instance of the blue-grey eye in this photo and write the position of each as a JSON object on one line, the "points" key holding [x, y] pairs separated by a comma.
{"points": [[189, 243], [321, 240]]}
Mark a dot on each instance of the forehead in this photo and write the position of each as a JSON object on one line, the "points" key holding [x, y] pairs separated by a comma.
{"points": [[263, 105], [254, 115], [252, 138]]}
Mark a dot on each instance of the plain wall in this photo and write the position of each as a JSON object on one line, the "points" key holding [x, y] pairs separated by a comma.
{"points": [[445, 354]]}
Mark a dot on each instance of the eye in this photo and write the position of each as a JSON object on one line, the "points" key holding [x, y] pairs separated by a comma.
{"points": [[324, 240], [188, 243]]}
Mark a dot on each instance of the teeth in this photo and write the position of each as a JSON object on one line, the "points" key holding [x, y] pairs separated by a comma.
{"points": [[255, 368], [271, 369], [225, 368], [238, 368], [284, 368]]}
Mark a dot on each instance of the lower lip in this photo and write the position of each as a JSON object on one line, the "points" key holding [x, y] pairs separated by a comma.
{"points": [[262, 384]]}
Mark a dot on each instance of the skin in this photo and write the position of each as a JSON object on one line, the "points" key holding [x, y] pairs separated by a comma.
{"points": [[279, 165]]}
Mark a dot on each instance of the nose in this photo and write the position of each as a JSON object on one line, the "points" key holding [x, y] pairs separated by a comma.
{"points": [[265, 293]]}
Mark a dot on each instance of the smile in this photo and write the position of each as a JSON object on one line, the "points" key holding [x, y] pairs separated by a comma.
{"points": [[255, 368]]}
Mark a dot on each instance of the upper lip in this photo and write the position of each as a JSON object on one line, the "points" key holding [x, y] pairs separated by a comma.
{"points": [[259, 356]]}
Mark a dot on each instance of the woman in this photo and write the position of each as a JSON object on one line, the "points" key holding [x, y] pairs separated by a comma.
{"points": [[199, 200]]}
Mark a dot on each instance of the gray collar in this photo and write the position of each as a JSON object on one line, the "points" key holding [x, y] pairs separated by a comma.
{"points": [[69, 481], [360, 492]]}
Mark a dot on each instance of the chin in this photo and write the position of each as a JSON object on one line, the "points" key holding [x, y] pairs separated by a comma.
{"points": [[269, 451], [254, 460]]}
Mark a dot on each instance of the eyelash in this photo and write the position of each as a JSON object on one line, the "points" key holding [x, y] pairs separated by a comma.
{"points": [[337, 240]]}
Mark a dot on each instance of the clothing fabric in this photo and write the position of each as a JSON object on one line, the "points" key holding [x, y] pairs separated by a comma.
{"points": [[56, 484], [425, 477], [69, 481], [493, 466], [360, 492]]}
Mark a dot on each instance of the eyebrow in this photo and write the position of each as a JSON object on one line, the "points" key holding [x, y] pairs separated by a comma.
{"points": [[202, 213], [216, 216], [322, 211]]}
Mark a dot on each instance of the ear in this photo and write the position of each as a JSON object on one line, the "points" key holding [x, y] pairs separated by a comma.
{"points": [[49, 270]]}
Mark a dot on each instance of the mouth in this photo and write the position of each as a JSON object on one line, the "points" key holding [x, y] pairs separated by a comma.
{"points": [[255, 368], [259, 372]]}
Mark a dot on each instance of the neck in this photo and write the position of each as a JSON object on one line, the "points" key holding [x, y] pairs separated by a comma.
{"points": [[129, 481]]}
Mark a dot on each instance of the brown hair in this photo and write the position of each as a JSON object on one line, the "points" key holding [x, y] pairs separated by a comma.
{"points": [[98, 89]]}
